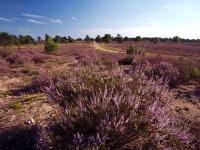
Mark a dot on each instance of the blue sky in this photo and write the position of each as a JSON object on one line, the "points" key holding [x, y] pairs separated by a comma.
{"points": [[78, 18]]}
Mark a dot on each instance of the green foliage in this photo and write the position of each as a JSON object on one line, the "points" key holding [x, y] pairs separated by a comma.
{"points": [[176, 39], [50, 45], [133, 49], [119, 38], [156, 40], [107, 38], [17, 105], [138, 39], [87, 39], [98, 38]]}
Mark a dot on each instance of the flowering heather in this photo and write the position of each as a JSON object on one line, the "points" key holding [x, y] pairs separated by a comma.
{"points": [[108, 109], [4, 66]]}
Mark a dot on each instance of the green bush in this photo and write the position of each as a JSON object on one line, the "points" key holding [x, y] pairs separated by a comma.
{"points": [[50, 45]]}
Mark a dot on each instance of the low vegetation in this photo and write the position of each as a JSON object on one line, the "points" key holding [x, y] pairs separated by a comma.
{"points": [[102, 95]]}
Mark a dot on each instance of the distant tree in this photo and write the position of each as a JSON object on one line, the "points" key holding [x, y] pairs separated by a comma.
{"points": [[176, 39], [5, 39], [126, 38], [47, 37], [29, 40], [39, 40], [87, 39], [156, 40], [119, 38], [138, 39], [98, 38], [79, 39], [50, 45], [70, 39], [15, 40], [107, 38], [64, 40], [57, 39]]}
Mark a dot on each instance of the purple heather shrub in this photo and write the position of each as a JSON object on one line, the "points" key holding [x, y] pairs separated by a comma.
{"points": [[15, 59], [4, 66], [108, 109], [4, 53]]}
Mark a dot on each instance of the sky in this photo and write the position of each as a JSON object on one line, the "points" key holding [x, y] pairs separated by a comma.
{"points": [[78, 18]]}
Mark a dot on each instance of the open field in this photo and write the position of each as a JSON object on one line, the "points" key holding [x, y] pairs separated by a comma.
{"points": [[24, 105]]}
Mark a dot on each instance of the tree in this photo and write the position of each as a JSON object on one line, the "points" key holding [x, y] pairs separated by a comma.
{"points": [[57, 39], [126, 38], [29, 40], [138, 39], [98, 38], [47, 37], [70, 39], [5, 39], [39, 40], [50, 45], [107, 38], [156, 40], [176, 39], [87, 39], [64, 40], [119, 38]]}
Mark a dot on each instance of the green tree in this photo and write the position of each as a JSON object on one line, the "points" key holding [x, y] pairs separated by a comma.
{"points": [[156, 40], [87, 39], [138, 39], [70, 39], [39, 40], [58, 39], [98, 38], [176, 39], [5, 39], [64, 40], [47, 37], [50, 45], [119, 38], [107, 38], [126, 38]]}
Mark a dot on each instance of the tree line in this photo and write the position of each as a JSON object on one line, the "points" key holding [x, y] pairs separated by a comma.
{"points": [[107, 38], [7, 39]]}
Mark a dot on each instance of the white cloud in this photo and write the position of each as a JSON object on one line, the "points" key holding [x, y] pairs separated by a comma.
{"points": [[166, 7], [35, 21], [33, 16], [5, 19], [74, 18], [56, 21]]}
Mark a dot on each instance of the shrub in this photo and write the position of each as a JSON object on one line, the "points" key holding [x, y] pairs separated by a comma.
{"points": [[107, 109], [134, 50], [50, 45], [15, 59], [4, 53], [128, 60], [166, 70], [4, 66], [38, 59]]}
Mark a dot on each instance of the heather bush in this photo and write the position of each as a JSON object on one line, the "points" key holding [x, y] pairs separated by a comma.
{"points": [[15, 59], [4, 66], [108, 109], [38, 59], [4, 53], [166, 70]]}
